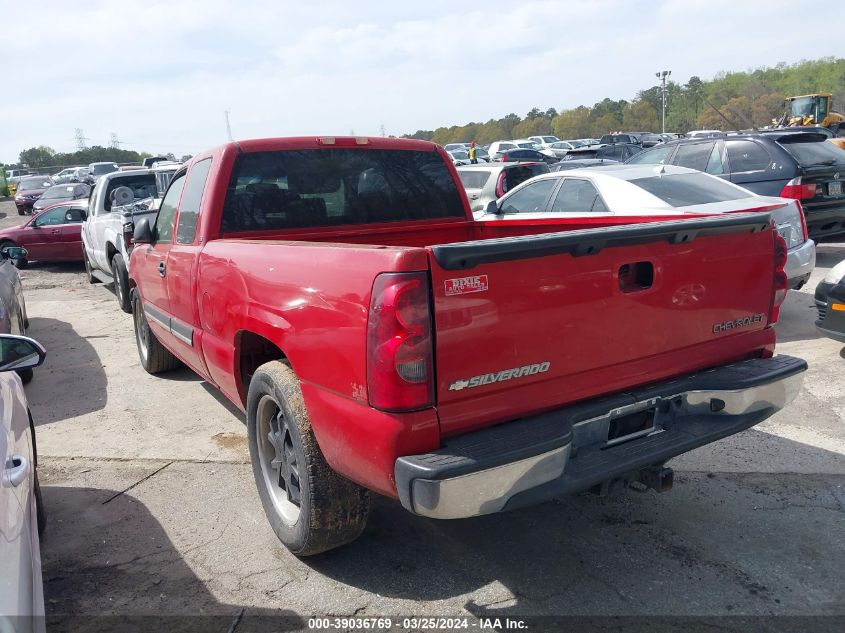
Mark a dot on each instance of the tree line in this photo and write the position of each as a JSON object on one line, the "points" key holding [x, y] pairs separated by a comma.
{"points": [[730, 101], [43, 156]]}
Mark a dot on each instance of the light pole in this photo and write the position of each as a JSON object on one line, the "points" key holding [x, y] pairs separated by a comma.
{"points": [[226, 113], [662, 77]]}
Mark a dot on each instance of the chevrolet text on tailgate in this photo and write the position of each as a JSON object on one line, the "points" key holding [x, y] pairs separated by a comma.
{"points": [[338, 291]]}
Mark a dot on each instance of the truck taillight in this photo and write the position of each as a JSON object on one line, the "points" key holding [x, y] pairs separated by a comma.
{"points": [[128, 233], [797, 190], [780, 282], [400, 355]]}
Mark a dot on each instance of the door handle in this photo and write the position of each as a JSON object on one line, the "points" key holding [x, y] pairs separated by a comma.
{"points": [[17, 470], [162, 269], [55, 231]]}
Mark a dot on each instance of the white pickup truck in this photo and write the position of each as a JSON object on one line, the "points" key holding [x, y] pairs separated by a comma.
{"points": [[107, 231]]}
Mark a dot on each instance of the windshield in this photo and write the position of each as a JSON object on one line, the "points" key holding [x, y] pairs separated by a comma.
{"points": [[291, 189], [531, 145], [37, 182], [814, 153], [459, 155], [62, 191], [550, 139], [683, 190], [805, 106]]}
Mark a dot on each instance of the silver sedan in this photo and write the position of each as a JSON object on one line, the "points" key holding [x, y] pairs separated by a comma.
{"points": [[594, 196]]}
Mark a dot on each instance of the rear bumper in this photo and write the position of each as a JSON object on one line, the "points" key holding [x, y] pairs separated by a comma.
{"points": [[824, 220], [531, 460], [800, 262]]}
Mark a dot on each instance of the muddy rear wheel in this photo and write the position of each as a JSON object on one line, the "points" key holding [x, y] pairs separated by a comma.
{"points": [[310, 507]]}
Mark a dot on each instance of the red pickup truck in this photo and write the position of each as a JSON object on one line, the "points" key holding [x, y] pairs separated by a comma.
{"points": [[339, 292]]}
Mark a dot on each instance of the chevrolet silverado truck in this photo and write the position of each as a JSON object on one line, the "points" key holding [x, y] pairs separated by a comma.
{"points": [[107, 230], [338, 291]]}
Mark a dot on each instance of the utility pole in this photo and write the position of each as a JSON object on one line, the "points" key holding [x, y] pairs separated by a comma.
{"points": [[382, 130], [228, 127], [114, 143], [662, 77], [80, 139]]}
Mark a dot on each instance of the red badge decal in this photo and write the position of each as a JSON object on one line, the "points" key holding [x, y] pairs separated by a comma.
{"points": [[465, 285]]}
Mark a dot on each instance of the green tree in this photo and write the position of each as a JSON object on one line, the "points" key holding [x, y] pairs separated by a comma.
{"points": [[640, 116], [41, 156]]}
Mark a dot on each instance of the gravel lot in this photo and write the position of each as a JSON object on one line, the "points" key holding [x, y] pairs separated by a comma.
{"points": [[152, 507]]}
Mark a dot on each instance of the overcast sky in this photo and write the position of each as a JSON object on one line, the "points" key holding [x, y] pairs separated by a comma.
{"points": [[160, 74]]}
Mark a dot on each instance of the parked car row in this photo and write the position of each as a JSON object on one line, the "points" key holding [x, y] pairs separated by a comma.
{"points": [[790, 164]]}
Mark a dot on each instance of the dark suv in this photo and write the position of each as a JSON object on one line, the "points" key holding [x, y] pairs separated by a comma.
{"points": [[799, 165]]}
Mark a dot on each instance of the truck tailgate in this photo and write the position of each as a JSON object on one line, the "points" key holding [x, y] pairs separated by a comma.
{"points": [[529, 323]]}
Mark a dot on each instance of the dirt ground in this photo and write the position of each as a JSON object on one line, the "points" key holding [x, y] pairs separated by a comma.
{"points": [[153, 511]]}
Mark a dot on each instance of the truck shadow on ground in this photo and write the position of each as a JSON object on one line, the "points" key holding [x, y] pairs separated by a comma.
{"points": [[71, 381], [55, 267], [797, 320], [108, 565], [717, 544]]}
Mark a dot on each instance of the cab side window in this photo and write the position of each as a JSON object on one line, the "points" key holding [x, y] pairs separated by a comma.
{"points": [[189, 209], [167, 211]]}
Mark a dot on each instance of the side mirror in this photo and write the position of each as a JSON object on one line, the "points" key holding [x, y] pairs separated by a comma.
{"points": [[492, 208], [20, 352], [15, 252], [143, 232]]}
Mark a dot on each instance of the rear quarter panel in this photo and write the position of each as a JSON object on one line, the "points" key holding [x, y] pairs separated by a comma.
{"points": [[312, 301]]}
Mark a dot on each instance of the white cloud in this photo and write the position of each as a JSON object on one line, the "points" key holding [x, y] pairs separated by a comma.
{"points": [[160, 73]]}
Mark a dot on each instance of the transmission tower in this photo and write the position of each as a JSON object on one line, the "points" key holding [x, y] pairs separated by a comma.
{"points": [[114, 143], [80, 139]]}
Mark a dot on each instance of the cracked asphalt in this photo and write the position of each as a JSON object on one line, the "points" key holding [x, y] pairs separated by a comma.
{"points": [[152, 509]]}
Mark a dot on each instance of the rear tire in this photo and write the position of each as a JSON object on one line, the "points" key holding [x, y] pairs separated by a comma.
{"points": [[21, 211], [310, 507], [121, 283], [155, 357]]}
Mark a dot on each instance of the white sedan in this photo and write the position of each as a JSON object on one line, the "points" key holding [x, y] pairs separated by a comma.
{"points": [[602, 196], [21, 513]]}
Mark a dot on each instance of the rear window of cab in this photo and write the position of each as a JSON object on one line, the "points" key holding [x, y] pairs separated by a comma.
{"points": [[291, 189]]}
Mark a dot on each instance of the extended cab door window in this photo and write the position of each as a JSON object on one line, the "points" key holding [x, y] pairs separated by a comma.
{"points": [[189, 208], [531, 198], [167, 211]]}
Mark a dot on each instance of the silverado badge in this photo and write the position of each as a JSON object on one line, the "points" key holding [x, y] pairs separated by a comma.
{"points": [[505, 374]]}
